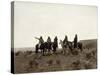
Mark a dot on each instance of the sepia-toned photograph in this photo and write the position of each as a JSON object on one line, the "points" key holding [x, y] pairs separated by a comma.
{"points": [[47, 37]]}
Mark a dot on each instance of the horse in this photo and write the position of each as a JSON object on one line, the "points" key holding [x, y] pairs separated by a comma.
{"points": [[64, 46], [73, 49], [40, 47], [70, 45], [55, 45], [61, 42], [44, 47], [49, 47]]}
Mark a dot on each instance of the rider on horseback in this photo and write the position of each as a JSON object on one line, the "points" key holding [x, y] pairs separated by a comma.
{"points": [[40, 40], [65, 41], [75, 41], [49, 39], [56, 41]]}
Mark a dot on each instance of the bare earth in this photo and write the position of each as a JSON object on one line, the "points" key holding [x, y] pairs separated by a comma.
{"points": [[29, 62]]}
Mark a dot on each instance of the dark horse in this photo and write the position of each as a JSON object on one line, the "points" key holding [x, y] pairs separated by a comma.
{"points": [[79, 46], [44, 47], [55, 44]]}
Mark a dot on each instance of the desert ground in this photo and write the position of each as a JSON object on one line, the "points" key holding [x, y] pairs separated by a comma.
{"points": [[26, 61]]}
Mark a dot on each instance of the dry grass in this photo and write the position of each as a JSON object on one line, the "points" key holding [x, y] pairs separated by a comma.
{"points": [[28, 61]]}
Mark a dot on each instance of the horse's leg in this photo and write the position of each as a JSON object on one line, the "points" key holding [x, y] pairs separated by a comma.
{"points": [[71, 50], [36, 49], [49, 51], [64, 51], [43, 52], [54, 50]]}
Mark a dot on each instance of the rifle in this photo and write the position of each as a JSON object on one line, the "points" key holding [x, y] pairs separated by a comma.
{"points": [[36, 38]]}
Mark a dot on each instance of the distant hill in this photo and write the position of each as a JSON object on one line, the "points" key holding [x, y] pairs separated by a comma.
{"points": [[24, 49], [90, 43]]}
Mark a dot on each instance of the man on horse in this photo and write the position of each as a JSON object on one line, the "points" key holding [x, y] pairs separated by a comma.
{"points": [[49, 39], [49, 44], [40, 40], [55, 44], [65, 44], [75, 41], [65, 41], [56, 41]]}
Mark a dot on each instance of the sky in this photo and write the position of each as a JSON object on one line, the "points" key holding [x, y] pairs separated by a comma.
{"points": [[48, 19]]}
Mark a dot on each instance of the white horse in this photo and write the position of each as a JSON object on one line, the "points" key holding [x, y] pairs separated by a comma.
{"points": [[64, 47]]}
